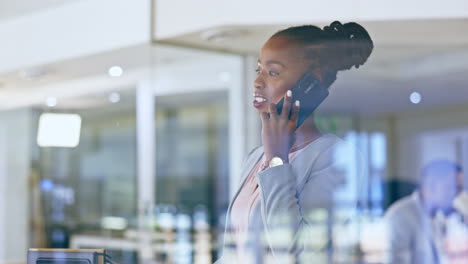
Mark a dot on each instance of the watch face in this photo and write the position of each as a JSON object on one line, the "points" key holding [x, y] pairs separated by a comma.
{"points": [[275, 161]]}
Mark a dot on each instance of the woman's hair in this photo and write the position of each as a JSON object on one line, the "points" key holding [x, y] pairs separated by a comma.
{"points": [[342, 46]]}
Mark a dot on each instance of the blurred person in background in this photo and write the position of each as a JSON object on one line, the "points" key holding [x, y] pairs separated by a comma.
{"points": [[418, 225], [294, 171]]}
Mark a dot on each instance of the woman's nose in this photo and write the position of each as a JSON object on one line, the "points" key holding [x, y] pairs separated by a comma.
{"points": [[259, 83]]}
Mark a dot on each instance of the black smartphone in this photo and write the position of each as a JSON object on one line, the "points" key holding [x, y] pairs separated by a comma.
{"points": [[309, 91]]}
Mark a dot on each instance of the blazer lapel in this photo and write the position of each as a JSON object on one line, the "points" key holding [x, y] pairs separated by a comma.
{"points": [[252, 160]]}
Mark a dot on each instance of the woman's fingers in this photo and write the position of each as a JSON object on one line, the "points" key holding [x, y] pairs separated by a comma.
{"points": [[286, 105], [295, 112], [264, 117], [273, 111]]}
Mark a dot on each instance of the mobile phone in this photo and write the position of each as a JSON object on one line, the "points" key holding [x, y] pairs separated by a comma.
{"points": [[309, 91]]}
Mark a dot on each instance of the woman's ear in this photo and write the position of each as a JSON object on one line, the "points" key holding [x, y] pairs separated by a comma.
{"points": [[318, 73], [326, 77]]}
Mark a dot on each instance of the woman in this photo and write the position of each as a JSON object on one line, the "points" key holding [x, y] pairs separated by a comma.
{"points": [[293, 173]]}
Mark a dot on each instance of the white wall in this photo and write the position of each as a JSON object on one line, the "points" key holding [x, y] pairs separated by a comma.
{"points": [[405, 132], [443, 144], [15, 129], [175, 17], [410, 125], [88, 27], [77, 29], [3, 183]]}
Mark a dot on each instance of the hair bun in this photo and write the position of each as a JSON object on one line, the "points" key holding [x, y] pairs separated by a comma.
{"points": [[335, 28], [350, 44]]}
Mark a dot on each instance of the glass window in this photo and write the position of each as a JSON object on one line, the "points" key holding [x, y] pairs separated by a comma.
{"points": [[81, 189]]}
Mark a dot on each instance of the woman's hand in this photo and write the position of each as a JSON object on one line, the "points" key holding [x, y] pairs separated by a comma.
{"points": [[278, 130]]}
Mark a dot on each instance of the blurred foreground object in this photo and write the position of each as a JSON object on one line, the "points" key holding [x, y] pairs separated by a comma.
{"points": [[67, 256], [461, 203]]}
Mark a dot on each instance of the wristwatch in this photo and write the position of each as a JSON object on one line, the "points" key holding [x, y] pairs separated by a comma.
{"points": [[275, 161]]}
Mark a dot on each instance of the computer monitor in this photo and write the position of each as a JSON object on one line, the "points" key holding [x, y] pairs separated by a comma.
{"points": [[66, 256]]}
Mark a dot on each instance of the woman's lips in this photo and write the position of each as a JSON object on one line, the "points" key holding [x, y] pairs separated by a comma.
{"points": [[259, 100]]}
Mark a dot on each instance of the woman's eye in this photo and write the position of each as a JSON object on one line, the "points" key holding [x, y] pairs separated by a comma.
{"points": [[272, 73], [257, 70]]}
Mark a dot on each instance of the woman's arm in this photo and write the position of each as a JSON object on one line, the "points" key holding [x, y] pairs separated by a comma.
{"points": [[287, 211]]}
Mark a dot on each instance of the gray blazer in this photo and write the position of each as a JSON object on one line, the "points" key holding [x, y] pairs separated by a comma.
{"points": [[290, 195], [410, 234]]}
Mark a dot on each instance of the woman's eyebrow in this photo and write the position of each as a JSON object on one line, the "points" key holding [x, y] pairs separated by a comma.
{"points": [[273, 62]]}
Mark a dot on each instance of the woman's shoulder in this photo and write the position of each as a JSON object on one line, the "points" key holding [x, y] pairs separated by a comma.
{"points": [[329, 140], [326, 142], [328, 151]]}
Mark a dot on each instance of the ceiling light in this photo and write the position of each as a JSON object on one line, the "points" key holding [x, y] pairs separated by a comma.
{"points": [[221, 35], [415, 97], [51, 101], [114, 98], [115, 71], [59, 130], [33, 73]]}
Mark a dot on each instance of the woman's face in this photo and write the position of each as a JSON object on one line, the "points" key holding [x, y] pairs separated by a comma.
{"points": [[282, 62]]}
